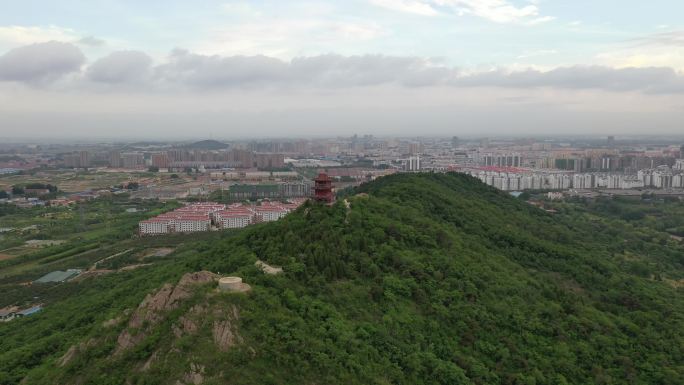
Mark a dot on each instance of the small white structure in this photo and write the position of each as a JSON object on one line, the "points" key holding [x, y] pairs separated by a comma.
{"points": [[233, 284]]}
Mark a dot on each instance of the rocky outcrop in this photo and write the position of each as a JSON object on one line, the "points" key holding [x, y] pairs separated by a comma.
{"points": [[153, 308], [111, 322], [268, 269], [75, 350], [194, 377], [188, 323], [148, 364], [225, 329]]}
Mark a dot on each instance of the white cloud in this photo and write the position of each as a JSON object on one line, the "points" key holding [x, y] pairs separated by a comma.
{"points": [[671, 38], [664, 49], [13, 36], [286, 38], [499, 11], [408, 6], [541, 20]]}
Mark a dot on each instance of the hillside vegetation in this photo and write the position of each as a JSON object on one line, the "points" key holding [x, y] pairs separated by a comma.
{"points": [[418, 279]]}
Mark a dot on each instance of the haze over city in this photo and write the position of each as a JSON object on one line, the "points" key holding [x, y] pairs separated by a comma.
{"points": [[232, 69]]}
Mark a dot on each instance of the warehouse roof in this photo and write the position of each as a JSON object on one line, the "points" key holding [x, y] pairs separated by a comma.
{"points": [[58, 276]]}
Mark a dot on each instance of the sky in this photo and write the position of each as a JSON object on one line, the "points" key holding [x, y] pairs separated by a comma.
{"points": [[235, 69]]}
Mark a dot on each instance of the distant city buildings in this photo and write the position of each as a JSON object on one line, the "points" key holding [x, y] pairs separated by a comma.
{"points": [[662, 177], [175, 159], [412, 164], [80, 159], [280, 169], [9, 171]]}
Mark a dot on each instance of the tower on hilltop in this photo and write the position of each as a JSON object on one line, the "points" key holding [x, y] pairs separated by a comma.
{"points": [[323, 188]]}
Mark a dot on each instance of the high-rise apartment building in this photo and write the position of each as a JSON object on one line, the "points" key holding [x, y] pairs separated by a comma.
{"points": [[160, 160], [115, 158], [412, 163], [80, 159], [132, 160]]}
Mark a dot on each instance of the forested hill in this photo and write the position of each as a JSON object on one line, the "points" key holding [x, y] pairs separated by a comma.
{"points": [[411, 279]]}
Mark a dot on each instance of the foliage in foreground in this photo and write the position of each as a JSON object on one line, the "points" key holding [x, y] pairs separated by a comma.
{"points": [[425, 279]]}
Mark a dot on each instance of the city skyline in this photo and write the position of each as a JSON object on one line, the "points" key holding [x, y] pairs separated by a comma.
{"points": [[232, 69]]}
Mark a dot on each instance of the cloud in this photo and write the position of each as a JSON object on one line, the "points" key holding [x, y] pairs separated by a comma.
{"points": [[286, 37], [42, 62], [499, 11], [91, 41], [345, 71], [668, 39], [120, 67], [541, 20], [14, 35], [324, 71], [336, 71], [185, 68], [184, 71], [408, 6], [665, 49]]}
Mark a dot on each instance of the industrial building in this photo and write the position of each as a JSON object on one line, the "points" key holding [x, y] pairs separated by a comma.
{"points": [[58, 276]]}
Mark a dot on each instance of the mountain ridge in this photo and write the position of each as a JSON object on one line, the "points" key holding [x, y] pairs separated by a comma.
{"points": [[424, 279]]}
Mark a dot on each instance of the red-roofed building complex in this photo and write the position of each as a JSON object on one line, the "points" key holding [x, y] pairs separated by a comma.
{"points": [[200, 217]]}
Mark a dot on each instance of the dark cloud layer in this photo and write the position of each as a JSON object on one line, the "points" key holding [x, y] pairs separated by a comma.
{"points": [[184, 70], [215, 71], [335, 71], [318, 71], [41, 62], [121, 67]]}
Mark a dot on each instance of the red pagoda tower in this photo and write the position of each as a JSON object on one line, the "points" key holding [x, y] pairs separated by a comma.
{"points": [[323, 188]]}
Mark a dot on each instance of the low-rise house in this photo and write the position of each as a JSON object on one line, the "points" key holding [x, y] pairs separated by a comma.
{"points": [[235, 218], [269, 213], [155, 226]]}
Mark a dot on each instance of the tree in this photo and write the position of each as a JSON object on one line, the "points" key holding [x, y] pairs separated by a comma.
{"points": [[525, 196]]}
